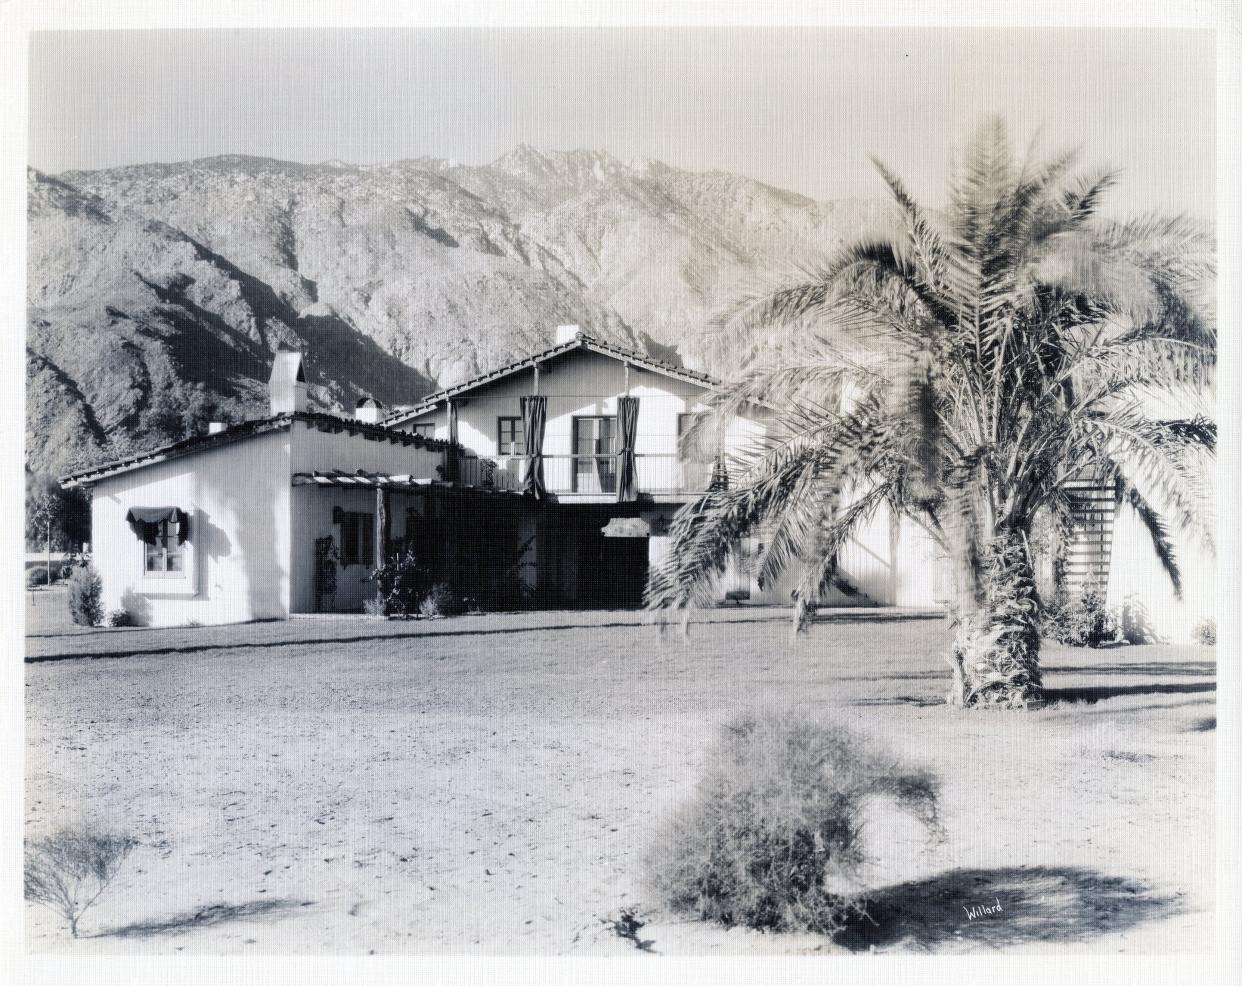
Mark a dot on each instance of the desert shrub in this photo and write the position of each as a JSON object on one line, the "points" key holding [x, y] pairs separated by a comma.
{"points": [[36, 577], [772, 839], [120, 618], [69, 871], [440, 601], [374, 606], [85, 590], [403, 582], [1078, 622], [1205, 632]]}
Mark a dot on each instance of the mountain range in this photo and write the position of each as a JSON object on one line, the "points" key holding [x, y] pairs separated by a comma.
{"points": [[157, 293]]}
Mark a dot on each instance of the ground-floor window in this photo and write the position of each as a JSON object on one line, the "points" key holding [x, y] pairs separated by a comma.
{"points": [[357, 538], [427, 430], [166, 556], [162, 534]]}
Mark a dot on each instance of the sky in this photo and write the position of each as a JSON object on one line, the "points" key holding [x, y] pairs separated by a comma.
{"points": [[799, 108]]}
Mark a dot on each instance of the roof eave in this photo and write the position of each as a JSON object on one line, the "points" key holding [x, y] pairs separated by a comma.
{"points": [[582, 342], [200, 443]]}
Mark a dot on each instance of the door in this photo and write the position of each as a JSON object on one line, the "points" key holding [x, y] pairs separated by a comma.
{"points": [[595, 454]]}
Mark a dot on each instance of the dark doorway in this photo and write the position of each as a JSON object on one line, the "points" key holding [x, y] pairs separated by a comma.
{"points": [[612, 572], [581, 568]]}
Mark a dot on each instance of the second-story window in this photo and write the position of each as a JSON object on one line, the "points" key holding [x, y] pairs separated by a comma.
{"points": [[595, 450], [510, 437], [694, 461]]}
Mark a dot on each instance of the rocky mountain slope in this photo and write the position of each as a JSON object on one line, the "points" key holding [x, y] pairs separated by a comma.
{"points": [[157, 293]]}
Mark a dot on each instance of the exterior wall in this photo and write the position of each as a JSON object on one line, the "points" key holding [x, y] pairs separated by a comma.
{"points": [[583, 383], [311, 506], [889, 565], [1140, 592], [251, 548], [237, 499]]}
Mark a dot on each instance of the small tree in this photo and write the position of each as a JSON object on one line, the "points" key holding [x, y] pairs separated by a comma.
{"points": [[56, 518], [70, 870], [85, 592], [41, 518]]}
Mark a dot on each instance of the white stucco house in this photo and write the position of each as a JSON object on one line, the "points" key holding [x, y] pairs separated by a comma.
{"points": [[225, 527], [579, 406], [562, 470]]}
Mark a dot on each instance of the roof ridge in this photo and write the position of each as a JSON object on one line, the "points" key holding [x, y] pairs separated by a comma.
{"points": [[581, 339]]}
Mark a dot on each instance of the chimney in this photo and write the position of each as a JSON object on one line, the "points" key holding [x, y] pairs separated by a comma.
{"points": [[369, 410], [566, 333], [287, 386], [215, 427]]}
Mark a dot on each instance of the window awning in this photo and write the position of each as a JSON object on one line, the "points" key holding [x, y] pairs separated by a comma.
{"points": [[145, 522], [626, 527]]}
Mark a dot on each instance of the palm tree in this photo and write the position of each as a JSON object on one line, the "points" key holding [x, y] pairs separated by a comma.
{"points": [[961, 373]]}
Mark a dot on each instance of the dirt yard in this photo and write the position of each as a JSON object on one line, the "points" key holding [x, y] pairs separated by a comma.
{"points": [[488, 784]]}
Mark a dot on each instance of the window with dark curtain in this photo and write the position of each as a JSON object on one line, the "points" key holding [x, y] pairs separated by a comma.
{"points": [[357, 538], [166, 556]]}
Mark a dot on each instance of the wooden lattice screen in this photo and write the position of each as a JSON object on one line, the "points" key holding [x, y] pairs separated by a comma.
{"points": [[1090, 549]]}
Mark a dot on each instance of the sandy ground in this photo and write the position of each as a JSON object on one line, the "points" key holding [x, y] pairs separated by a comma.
{"points": [[488, 784]]}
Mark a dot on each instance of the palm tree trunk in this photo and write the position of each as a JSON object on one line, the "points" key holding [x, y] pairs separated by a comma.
{"points": [[995, 655]]}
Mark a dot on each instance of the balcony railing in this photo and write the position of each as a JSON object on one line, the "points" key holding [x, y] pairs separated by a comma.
{"points": [[657, 473]]}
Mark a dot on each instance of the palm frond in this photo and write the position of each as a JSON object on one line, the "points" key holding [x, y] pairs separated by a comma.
{"points": [[1127, 492], [821, 563]]}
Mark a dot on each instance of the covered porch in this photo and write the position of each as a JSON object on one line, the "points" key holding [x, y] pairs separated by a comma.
{"points": [[477, 540]]}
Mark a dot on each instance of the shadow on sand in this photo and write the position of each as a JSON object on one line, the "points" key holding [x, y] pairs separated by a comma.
{"points": [[1090, 694], [1190, 669], [154, 647], [1153, 669], [206, 917], [1055, 905]]}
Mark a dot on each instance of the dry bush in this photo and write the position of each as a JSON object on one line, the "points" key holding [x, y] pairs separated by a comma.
{"points": [[1078, 622], [775, 829], [69, 871], [1205, 632], [440, 601]]}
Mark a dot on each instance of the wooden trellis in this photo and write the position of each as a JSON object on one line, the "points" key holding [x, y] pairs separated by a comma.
{"points": [[1090, 549]]}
